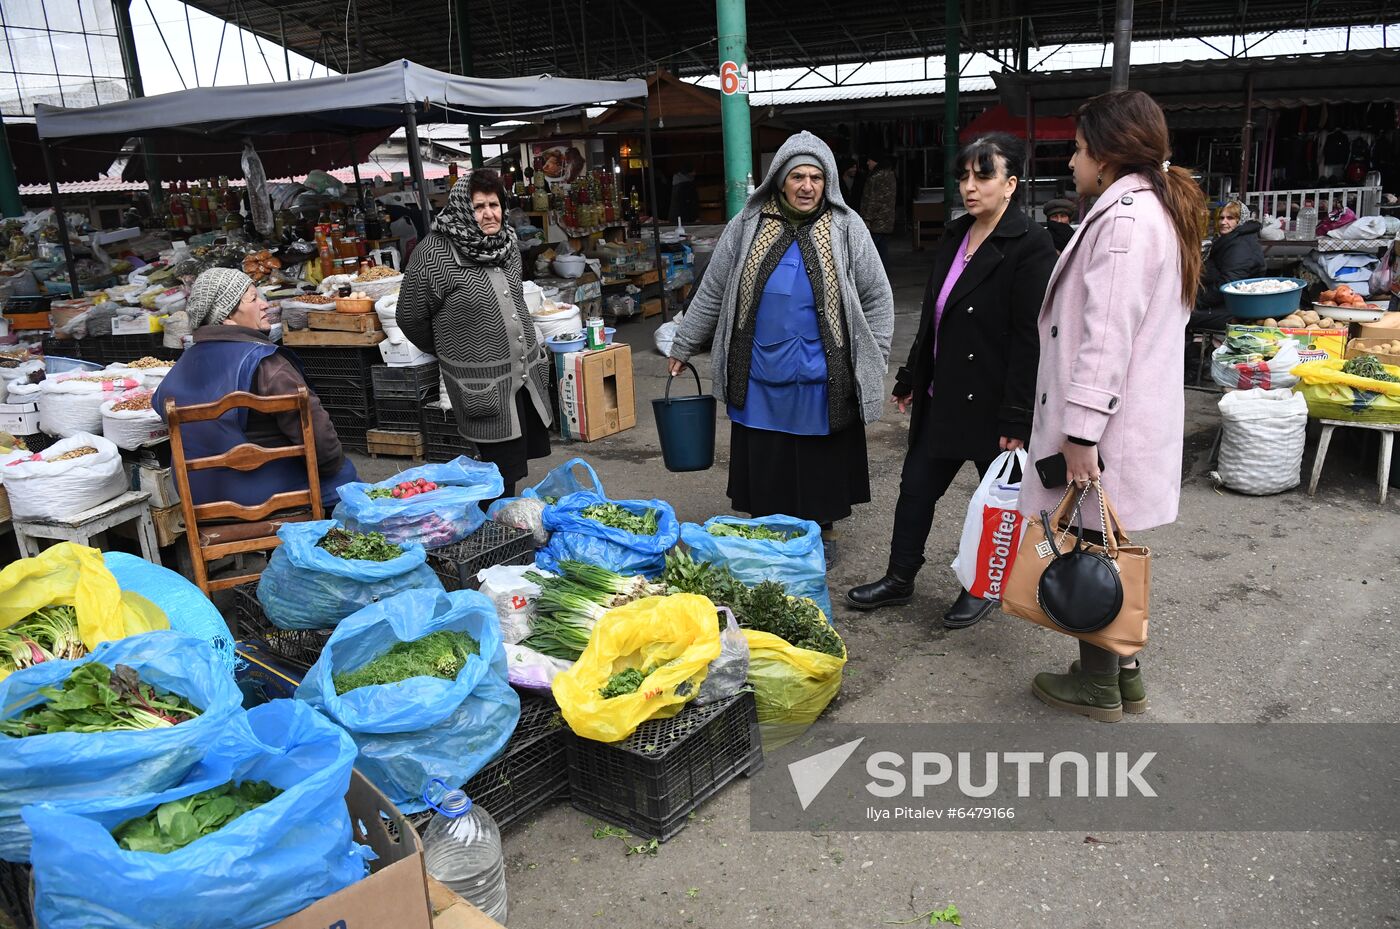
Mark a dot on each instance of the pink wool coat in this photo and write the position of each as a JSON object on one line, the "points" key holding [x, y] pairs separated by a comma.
{"points": [[1112, 336]]}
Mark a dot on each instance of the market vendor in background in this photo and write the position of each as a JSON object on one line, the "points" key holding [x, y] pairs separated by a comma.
{"points": [[232, 352], [1236, 254], [1057, 217], [796, 300], [462, 301]]}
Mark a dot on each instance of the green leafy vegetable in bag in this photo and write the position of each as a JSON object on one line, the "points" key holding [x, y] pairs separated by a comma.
{"points": [[618, 517], [753, 533], [359, 546], [1369, 366], [626, 681], [171, 826], [96, 698], [44, 635], [438, 654]]}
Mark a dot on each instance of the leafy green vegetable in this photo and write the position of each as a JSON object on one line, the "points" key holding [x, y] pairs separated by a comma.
{"points": [[1369, 366], [618, 517], [379, 493], [755, 533], [766, 608], [438, 654], [171, 826], [359, 546], [569, 606], [96, 698], [626, 681], [44, 635]]}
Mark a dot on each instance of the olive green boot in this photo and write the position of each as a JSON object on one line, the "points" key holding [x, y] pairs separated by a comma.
{"points": [[1130, 685], [1093, 695]]}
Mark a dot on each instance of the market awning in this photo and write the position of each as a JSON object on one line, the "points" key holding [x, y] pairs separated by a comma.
{"points": [[1278, 83], [999, 119], [292, 154], [344, 105], [79, 163]]}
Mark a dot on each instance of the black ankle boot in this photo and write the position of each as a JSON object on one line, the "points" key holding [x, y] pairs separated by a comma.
{"points": [[895, 588], [966, 611]]}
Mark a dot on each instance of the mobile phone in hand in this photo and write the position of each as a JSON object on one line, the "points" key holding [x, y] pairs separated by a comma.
{"points": [[1053, 471]]}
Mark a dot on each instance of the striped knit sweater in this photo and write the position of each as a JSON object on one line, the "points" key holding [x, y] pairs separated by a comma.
{"points": [[447, 307]]}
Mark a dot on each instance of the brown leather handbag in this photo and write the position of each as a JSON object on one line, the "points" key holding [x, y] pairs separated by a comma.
{"points": [[1047, 539]]}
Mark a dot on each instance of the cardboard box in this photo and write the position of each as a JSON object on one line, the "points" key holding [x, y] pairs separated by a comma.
{"points": [[452, 912], [595, 393], [1313, 344], [158, 482], [395, 893], [1367, 347], [403, 355], [1386, 329], [170, 524], [19, 418]]}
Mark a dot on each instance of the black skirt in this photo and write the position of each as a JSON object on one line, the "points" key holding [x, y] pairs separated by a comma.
{"points": [[513, 456], [816, 477]]}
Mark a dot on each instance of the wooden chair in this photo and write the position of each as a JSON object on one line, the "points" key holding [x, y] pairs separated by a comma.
{"points": [[245, 528]]}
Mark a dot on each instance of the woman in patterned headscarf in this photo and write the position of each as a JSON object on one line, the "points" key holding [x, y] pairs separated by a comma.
{"points": [[801, 314], [462, 301]]}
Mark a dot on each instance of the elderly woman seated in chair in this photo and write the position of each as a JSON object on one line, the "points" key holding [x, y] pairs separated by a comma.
{"points": [[232, 352]]}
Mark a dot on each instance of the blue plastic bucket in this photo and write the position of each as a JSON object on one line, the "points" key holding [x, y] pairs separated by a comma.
{"points": [[686, 426]]}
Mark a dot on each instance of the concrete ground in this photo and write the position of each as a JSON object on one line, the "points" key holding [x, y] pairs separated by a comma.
{"points": [[1272, 609]]}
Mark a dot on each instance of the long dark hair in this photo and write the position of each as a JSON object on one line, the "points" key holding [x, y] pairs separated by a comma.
{"points": [[1127, 130], [981, 155]]}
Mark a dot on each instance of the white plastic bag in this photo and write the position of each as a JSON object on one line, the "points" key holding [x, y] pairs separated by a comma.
{"points": [[43, 488], [1262, 437], [991, 530], [557, 319], [132, 428], [1276, 372], [513, 595], [531, 670], [666, 335], [22, 392], [72, 403]]}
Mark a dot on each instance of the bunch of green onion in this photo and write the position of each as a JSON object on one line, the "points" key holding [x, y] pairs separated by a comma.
{"points": [[569, 606]]}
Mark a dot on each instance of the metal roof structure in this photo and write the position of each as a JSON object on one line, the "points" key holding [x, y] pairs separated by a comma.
{"points": [[620, 38]]}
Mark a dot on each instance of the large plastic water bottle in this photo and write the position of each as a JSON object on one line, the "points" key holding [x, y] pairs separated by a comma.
{"points": [[462, 845]]}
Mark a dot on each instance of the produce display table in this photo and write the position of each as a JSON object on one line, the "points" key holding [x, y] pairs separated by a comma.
{"points": [[132, 506], [1387, 431]]}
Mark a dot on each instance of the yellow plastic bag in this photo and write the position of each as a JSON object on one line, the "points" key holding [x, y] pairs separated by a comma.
{"points": [[677, 635], [791, 685], [1333, 394], [73, 575]]}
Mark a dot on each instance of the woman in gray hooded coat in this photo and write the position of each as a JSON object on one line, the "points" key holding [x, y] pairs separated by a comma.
{"points": [[800, 312]]}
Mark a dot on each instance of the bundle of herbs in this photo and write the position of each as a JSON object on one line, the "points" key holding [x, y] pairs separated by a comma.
{"points": [[1368, 366], [438, 654], [359, 546], [44, 635], [173, 825], [96, 698], [753, 533], [619, 517], [765, 608], [626, 681], [570, 605]]}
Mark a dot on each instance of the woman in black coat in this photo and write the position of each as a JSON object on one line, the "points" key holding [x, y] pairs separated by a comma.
{"points": [[1235, 255], [971, 371]]}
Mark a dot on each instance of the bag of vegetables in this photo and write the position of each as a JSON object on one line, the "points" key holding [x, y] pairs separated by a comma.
{"points": [[108, 738], [645, 660], [257, 831], [775, 548], [321, 573], [419, 681], [433, 505], [629, 537]]}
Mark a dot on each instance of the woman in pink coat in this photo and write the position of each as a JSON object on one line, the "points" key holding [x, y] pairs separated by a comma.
{"points": [[1112, 332]]}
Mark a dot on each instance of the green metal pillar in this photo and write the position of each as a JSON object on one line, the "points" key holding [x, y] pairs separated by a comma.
{"points": [[464, 50], [121, 9], [734, 103], [952, 24], [9, 182]]}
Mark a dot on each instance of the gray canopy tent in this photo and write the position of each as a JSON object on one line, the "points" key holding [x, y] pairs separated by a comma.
{"points": [[400, 93]]}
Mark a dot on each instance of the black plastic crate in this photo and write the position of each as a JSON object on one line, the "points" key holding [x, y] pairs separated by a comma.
{"points": [[14, 895], [343, 395], [532, 769], [30, 304], [296, 647], [399, 414], [37, 441], [416, 382], [325, 361], [119, 349], [438, 454], [650, 782], [438, 421], [456, 565]]}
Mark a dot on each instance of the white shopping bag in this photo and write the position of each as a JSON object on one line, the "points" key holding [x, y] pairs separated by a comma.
{"points": [[992, 529]]}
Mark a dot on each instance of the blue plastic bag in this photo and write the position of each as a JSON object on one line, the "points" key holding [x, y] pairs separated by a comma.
{"points": [[306, 587], [580, 539], [799, 564], [425, 727], [184, 604], [446, 515], [557, 484], [69, 767], [263, 866]]}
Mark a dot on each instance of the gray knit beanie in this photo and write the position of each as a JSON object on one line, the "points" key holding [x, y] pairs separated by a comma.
{"points": [[797, 161], [216, 295]]}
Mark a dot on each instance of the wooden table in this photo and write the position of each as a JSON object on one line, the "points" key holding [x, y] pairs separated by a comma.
{"points": [[132, 506], [1387, 431]]}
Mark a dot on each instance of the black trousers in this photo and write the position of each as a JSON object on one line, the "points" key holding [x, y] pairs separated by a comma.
{"points": [[1092, 659], [924, 480]]}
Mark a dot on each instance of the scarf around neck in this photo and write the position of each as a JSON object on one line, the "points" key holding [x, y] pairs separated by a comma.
{"points": [[457, 222]]}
